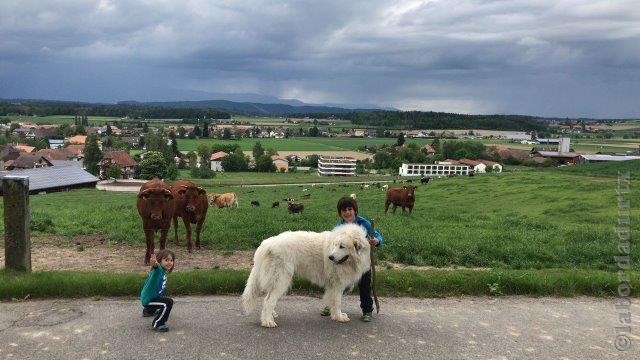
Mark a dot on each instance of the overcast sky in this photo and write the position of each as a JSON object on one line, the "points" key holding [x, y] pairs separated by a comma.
{"points": [[538, 57]]}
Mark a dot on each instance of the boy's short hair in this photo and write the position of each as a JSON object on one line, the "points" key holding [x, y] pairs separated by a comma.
{"points": [[345, 202]]}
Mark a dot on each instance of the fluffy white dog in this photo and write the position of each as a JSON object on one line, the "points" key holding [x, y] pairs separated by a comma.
{"points": [[334, 260]]}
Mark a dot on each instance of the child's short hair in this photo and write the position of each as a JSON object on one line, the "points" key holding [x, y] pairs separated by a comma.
{"points": [[165, 253], [345, 202]]}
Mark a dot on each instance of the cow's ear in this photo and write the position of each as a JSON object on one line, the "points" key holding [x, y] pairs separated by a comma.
{"points": [[202, 191]]}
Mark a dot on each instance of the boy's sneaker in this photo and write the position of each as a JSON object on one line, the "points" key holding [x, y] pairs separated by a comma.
{"points": [[161, 328], [366, 317], [325, 311], [146, 313]]}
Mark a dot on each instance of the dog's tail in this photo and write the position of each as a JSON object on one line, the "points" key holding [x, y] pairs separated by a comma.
{"points": [[251, 291]]}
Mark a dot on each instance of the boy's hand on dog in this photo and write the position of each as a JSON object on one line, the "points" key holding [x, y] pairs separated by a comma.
{"points": [[373, 241]]}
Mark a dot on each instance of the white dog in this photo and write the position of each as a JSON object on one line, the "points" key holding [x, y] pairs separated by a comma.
{"points": [[334, 260]]}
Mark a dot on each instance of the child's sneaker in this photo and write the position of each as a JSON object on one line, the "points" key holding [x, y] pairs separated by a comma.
{"points": [[161, 328], [325, 311], [366, 317]]}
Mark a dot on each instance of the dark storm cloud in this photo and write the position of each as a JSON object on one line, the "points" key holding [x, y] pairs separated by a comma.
{"points": [[560, 58]]}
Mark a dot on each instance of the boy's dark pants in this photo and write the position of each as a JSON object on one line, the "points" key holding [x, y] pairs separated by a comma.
{"points": [[164, 305], [366, 302]]}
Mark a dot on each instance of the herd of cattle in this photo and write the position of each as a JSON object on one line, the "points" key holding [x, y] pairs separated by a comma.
{"points": [[158, 204]]}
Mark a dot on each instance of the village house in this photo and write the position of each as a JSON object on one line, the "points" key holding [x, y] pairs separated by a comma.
{"points": [[216, 160], [120, 159], [77, 140], [27, 161], [281, 163]]}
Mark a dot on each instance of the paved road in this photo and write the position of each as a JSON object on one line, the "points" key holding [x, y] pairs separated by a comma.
{"points": [[213, 327]]}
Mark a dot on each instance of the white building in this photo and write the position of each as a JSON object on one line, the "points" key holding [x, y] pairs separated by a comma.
{"points": [[433, 170], [216, 160], [336, 166]]}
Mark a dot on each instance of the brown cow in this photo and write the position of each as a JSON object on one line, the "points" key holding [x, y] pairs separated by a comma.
{"points": [[155, 205], [191, 206], [224, 200], [404, 197], [295, 208]]}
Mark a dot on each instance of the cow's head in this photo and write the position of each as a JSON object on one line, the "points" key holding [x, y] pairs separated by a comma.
{"points": [[156, 200], [191, 194], [410, 191]]}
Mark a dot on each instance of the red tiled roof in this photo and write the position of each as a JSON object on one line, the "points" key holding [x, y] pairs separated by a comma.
{"points": [[120, 158], [217, 156]]}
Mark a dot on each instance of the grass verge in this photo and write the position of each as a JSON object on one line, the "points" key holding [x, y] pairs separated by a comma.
{"points": [[413, 283]]}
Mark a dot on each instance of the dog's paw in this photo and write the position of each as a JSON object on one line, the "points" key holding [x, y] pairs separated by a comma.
{"points": [[268, 323], [341, 317]]}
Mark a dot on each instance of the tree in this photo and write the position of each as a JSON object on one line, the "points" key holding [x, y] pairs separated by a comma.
{"points": [[145, 128], [109, 131], [153, 165], [80, 130], [226, 134], [401, 140], [92, 155], [114, 172], [257, 150], [235, 162], [265, 164], [196, 131], [314, 131], [205, 129]]}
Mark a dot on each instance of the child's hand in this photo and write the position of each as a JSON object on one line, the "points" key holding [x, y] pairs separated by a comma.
{"points": [[153, 261], [373, 241]]}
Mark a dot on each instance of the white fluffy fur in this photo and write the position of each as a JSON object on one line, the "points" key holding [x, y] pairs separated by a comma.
{"points": [[306, 254]]}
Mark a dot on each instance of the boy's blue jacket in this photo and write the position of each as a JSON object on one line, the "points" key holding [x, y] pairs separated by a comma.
{"points": [[366, 224], [155, 285]]}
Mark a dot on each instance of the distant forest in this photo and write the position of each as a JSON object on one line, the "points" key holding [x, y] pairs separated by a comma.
{"points": [[133, 111], [187, 110], [441, 120]]}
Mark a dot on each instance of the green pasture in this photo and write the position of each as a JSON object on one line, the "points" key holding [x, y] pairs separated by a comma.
{"points": [[539, 219], [297, 143], [298, 177]]}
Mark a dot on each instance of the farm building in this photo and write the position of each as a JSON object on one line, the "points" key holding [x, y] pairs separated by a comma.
{"points": [[433, 170], [54, 178], [216, 160], [588, 158], [336, 166], [281, 163]]}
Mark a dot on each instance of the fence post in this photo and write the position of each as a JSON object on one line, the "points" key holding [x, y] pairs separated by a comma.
{"points": [[17, 235]]}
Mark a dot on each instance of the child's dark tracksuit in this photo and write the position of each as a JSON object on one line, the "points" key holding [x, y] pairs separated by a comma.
{"points": [[364, 285], [152, 297]]}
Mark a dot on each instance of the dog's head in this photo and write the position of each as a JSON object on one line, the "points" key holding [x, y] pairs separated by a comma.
{"points": [[349, 242]]}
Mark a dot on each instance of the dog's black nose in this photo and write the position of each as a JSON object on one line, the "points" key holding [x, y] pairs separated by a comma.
{"points": [[331, 258]]}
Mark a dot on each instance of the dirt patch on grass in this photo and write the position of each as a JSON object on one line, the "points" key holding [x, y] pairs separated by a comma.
{"points": [[95, 253]]}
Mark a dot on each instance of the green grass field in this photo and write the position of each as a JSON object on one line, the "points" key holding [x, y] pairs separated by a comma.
{"points": [[298, 143], [553, 218]]}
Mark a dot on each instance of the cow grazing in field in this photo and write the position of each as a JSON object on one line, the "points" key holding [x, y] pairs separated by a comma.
{"points": [[288, 199], [156, 206], [404, 197], [191, 206], [275, 204], [295, 208], [226, 200], [424, 180], [255, 203], [385, 187], [353, 196]]}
